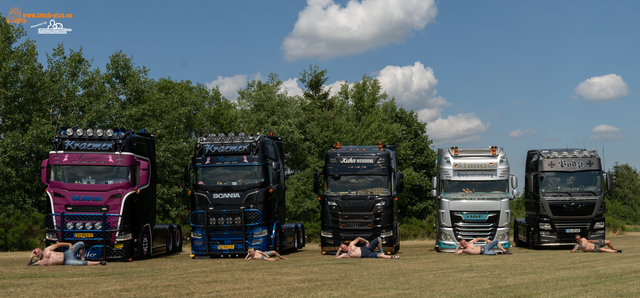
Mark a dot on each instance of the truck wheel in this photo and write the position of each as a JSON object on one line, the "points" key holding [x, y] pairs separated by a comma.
{"points": [[170, 237], [277, 241], [145, 243], [296, 238], [530, 244], [303, 235], [178, 239]]}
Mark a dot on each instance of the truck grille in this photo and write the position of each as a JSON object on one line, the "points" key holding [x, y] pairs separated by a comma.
{"points": [[58, 222], [572, 208], [224, 218], [469, 225]]}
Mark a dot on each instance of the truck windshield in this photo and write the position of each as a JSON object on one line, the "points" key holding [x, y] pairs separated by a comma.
{"points": [[357, 185], [496, 186], [230, 175], [562, 182], [90, 174]]}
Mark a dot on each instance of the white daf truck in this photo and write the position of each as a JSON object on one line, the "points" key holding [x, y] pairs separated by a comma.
{"points": [[472, 193]]}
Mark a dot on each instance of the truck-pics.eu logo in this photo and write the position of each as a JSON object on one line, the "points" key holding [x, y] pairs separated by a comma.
{"points": [[53, 27]]}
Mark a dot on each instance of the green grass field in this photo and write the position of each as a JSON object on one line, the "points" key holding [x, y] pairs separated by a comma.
{"points": [[419, 272]]}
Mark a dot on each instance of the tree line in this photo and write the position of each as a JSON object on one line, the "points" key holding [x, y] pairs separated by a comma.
{"points": [[36, 101]]}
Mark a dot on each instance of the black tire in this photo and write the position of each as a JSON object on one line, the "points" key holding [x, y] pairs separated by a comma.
{"points": [[170, 241], [178, 239], [296, 238], [145, 243], [277, 239], [530, 244], [303, 236]]}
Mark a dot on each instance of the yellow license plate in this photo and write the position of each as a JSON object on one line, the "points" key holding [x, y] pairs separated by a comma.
{"points": [[84, 235], [118, 246], [225, 246]]}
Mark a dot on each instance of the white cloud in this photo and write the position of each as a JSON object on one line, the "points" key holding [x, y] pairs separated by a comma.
{"points": [[325, 29], [458, 129], [604, 88], [229, 86], [518, 133], [606, 132], [291, 87], [411, 85]]}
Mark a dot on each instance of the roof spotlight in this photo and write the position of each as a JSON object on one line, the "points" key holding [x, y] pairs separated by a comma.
{"points": [[211, 136], [79, 132], [221, 135], [109, 132], [89, 132], [99, 132], [69, 131]]}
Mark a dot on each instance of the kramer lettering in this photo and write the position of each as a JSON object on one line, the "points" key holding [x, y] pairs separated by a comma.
{"points": [[74, 145], [357, 160], [224, 149]]}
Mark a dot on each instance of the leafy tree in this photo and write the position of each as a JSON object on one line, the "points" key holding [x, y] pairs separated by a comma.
{"points": [[623, 202]]}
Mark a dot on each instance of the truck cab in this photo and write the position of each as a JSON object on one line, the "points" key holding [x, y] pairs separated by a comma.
{"points": [[237, 190], [101, 188], [564, 196], [472, 193], [358, 190]]}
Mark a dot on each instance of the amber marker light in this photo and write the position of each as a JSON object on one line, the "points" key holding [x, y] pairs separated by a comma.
{"points": [[494, 150], [270, 190], [189, 192], [338, 145], [319, 199], [138, 191]]}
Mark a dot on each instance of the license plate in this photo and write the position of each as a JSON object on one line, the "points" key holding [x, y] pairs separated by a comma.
{"points": [[225, 246], [118, 246], [572, 231], [84, 235]]}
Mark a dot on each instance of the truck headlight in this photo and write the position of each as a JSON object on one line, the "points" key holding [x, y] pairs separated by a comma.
{"points": [[51, 236], [260, 232], [445, 237], [123, 237], [98, 226], [196, 235], [326, 234], [79, 225], [88, 225], [503, 237], [599, 225], [386, 233], [544, 226], [332, 203], [70, 226]]}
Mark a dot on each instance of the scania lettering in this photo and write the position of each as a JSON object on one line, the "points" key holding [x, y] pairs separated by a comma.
{"points": [[472, 193], [358, 190], [564, 196], [101, 188], [237, 190]]}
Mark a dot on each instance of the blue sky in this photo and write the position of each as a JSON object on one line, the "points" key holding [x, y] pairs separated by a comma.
{"points": [[516, 74]]}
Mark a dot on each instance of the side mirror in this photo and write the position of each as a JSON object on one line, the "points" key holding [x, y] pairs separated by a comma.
{"points": [[187, 176], [434, 193], [316, 183], [609, 182], [529, 183], [144, 172], [44, 172], [400, 186], [434, 186], [514, 182], [515, 193]]}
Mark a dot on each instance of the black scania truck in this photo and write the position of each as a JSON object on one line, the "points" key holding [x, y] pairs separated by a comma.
{"points": [[237, 190], [564, 196], [358, 196]]}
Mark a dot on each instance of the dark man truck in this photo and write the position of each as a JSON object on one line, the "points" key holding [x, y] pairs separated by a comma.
{"points": [[101, 188], [472, 193], [237, 190], [358, 196], [563, 196]]}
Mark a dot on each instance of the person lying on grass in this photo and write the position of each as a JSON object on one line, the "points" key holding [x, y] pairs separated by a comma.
{"points": [[486, 249], [50, 257], [254, 254], [370, 250], [593, 245]]}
